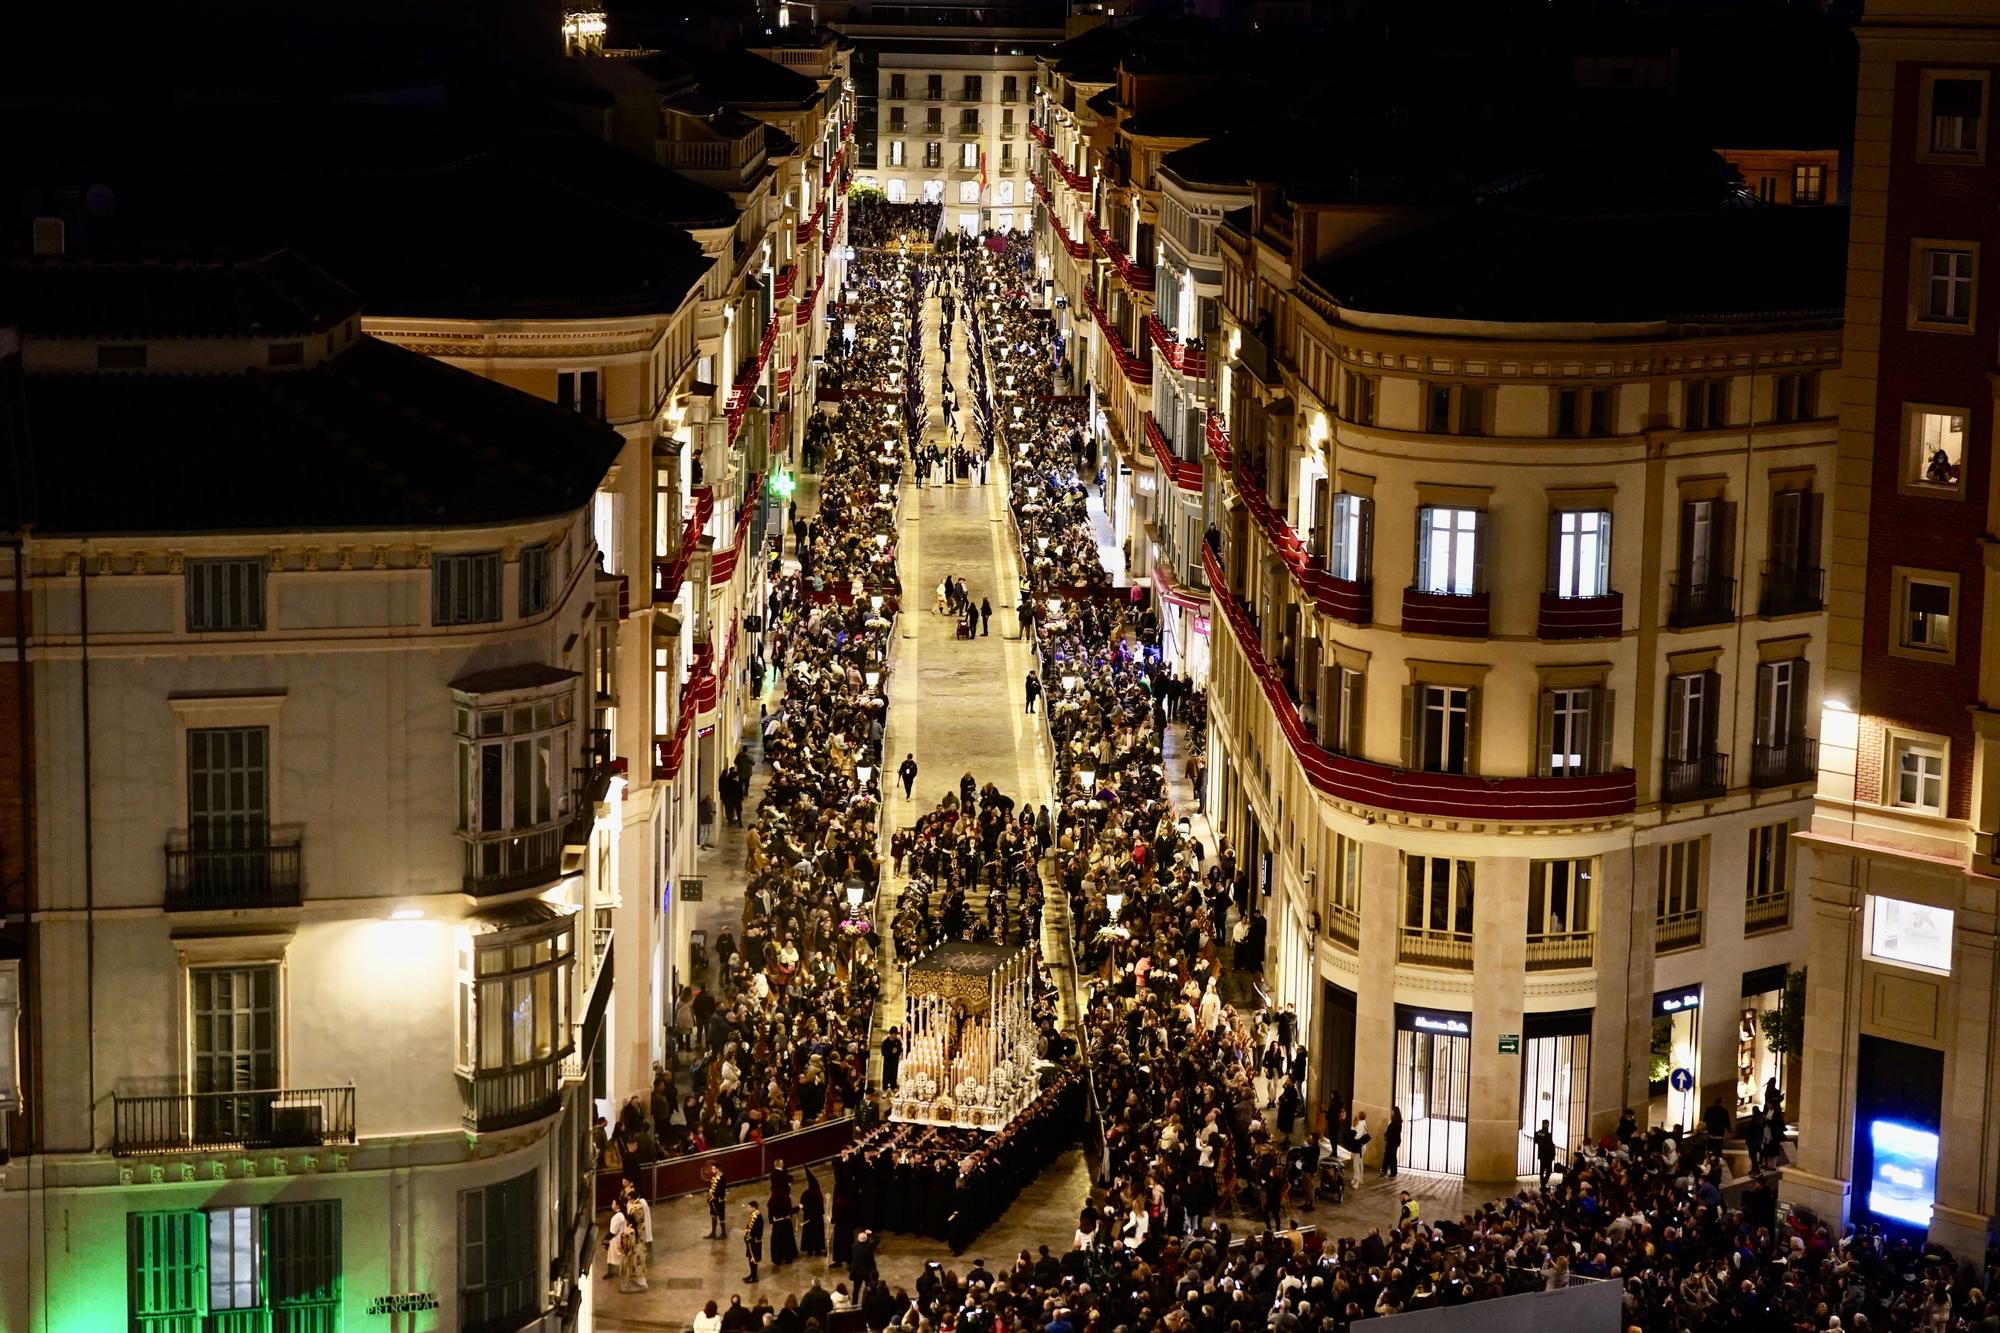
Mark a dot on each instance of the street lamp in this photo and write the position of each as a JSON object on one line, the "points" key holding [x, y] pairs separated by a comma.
{"points": [[874, 604], [854, 892], [874, 678], [1042, 544], [883, 490], [1069, 682], [1186, 827], [1114, 903], [1088, 777], [881, 540], [863, 772]]}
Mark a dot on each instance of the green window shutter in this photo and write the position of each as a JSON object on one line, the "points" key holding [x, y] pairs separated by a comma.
{"points": [[167, 1255], [304, 1256]]}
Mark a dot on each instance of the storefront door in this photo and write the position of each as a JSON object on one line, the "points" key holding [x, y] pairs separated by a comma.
{"points": [[1555, 1084], [1433, 1086]]}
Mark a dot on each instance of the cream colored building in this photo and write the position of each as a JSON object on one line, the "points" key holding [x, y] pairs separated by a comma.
{"points": [[952, 129], [327, 847]]}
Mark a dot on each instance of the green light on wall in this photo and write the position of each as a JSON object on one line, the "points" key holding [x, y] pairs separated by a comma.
{"points": [[783, 484]]}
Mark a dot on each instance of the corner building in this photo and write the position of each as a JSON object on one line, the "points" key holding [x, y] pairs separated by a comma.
{"points": [[326, 848], [1516, 550]]}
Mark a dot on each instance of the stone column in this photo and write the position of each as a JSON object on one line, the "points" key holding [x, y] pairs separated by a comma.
{"points": [[1820, 1178], [1499, 963], [1624, 962], [1964, 1209], [1375, 991]]}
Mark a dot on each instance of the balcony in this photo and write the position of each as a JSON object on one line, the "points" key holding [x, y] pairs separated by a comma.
{"points": [[1581, 617], [1707, 602], [970, 95], [1009, 131], [898, 127], [221, 879], [1781, 765], [934, 94], [965, 131], [1702, 778], [1343, 927], [1459, 615], [1550, 952], [1677, 930], [505, 862], [1435, 948], [514, 1097], [1255, 355], [1773, 911], [248, 1120], [1791, 589]]}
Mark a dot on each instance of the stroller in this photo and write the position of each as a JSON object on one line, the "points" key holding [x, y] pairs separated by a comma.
{"points": [[968, 625]]}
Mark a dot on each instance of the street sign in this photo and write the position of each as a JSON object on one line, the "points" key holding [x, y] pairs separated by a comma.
{"points": [[1510, 1043], [1681, 1080], [691, 890]]}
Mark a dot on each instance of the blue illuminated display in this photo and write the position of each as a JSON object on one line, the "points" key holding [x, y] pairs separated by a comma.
{"points": [[1904, 1180]]}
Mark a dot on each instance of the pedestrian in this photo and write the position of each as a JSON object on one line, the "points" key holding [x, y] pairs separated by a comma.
{"points": [[908, 773], [1034, 691], [892, 1059], [985, 618], [1545, 1153], [753, 1238], [641, 1242], [1392, 1140]]}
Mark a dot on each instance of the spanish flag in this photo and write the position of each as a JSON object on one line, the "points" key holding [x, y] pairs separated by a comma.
{"points": [[982, 169]]}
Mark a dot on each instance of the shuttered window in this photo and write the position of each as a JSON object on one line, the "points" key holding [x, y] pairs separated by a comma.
{"points": [[1575, 732], [224, 595], [465, 588], [166, 1258]]}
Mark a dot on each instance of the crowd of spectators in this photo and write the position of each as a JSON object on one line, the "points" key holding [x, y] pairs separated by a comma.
{"points": [[878, 224]]}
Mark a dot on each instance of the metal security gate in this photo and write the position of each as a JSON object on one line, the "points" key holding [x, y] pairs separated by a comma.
{"points": [[1555, 1081], [1433, 1084]]}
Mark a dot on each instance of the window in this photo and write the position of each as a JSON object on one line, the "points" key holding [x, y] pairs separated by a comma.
{"points": [[1003, 193], [1704, 404], [465, 588], [1957, 114], [1944, 283], [228, 794], [224, 595], [968, 155], [1559, 896], [121, 356], [1926, 614], [1693, 710], [1781, 702], [1007, 121], [1437, 895], [1455, 409], [1346, 888], [1808, 183], [896, 192], [1341, 711], [1767, 887], [577, 391], [1353, 524], [1677, 923], [934, 121], [1708, 530], [968, 192], [1010, 90], [287, 354], [1358, 398], [933, 189], [972, 88], [968, 222], [1936, 446], [499, 1251], [280, 1264], [968, 120], [1443, 721], [1448, 556], [1583, 412], [233, 1047], [1916, 774], [534, 580], [514, 997], [898, 88], [895, 152], [1575, 732], [1580, 553], [934, 86], [933, 159], [513, 762], [1795, 396]]}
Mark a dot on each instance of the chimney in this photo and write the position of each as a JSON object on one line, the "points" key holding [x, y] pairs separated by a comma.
{"points": [[49, 238]]}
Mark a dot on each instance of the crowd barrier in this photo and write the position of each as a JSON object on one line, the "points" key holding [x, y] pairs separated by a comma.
{"points": [[744, 1162]]}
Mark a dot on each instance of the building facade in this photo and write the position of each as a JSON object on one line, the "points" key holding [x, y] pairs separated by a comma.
{"points": [[327, 846], [952, 129], [1901, 1017]]}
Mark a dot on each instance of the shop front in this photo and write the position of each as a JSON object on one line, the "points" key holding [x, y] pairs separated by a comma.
{"points": [[1433, 1086], [1758, 1067], [1555, 1083], [1673, 1081]]}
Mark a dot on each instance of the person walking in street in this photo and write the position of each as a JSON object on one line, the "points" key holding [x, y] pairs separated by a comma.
{"points": [[1392, 1140], [985, 618], [1033, 690], [908, 773], [892, 1059]]}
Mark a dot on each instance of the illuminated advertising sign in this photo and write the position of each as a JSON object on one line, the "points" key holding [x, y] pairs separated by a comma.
{"points": [[1909, 934], [1904, 1180]]}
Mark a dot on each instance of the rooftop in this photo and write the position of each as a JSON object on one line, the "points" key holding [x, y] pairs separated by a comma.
{"points": [[368, 437], [276, 296], [1496, 263]]}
